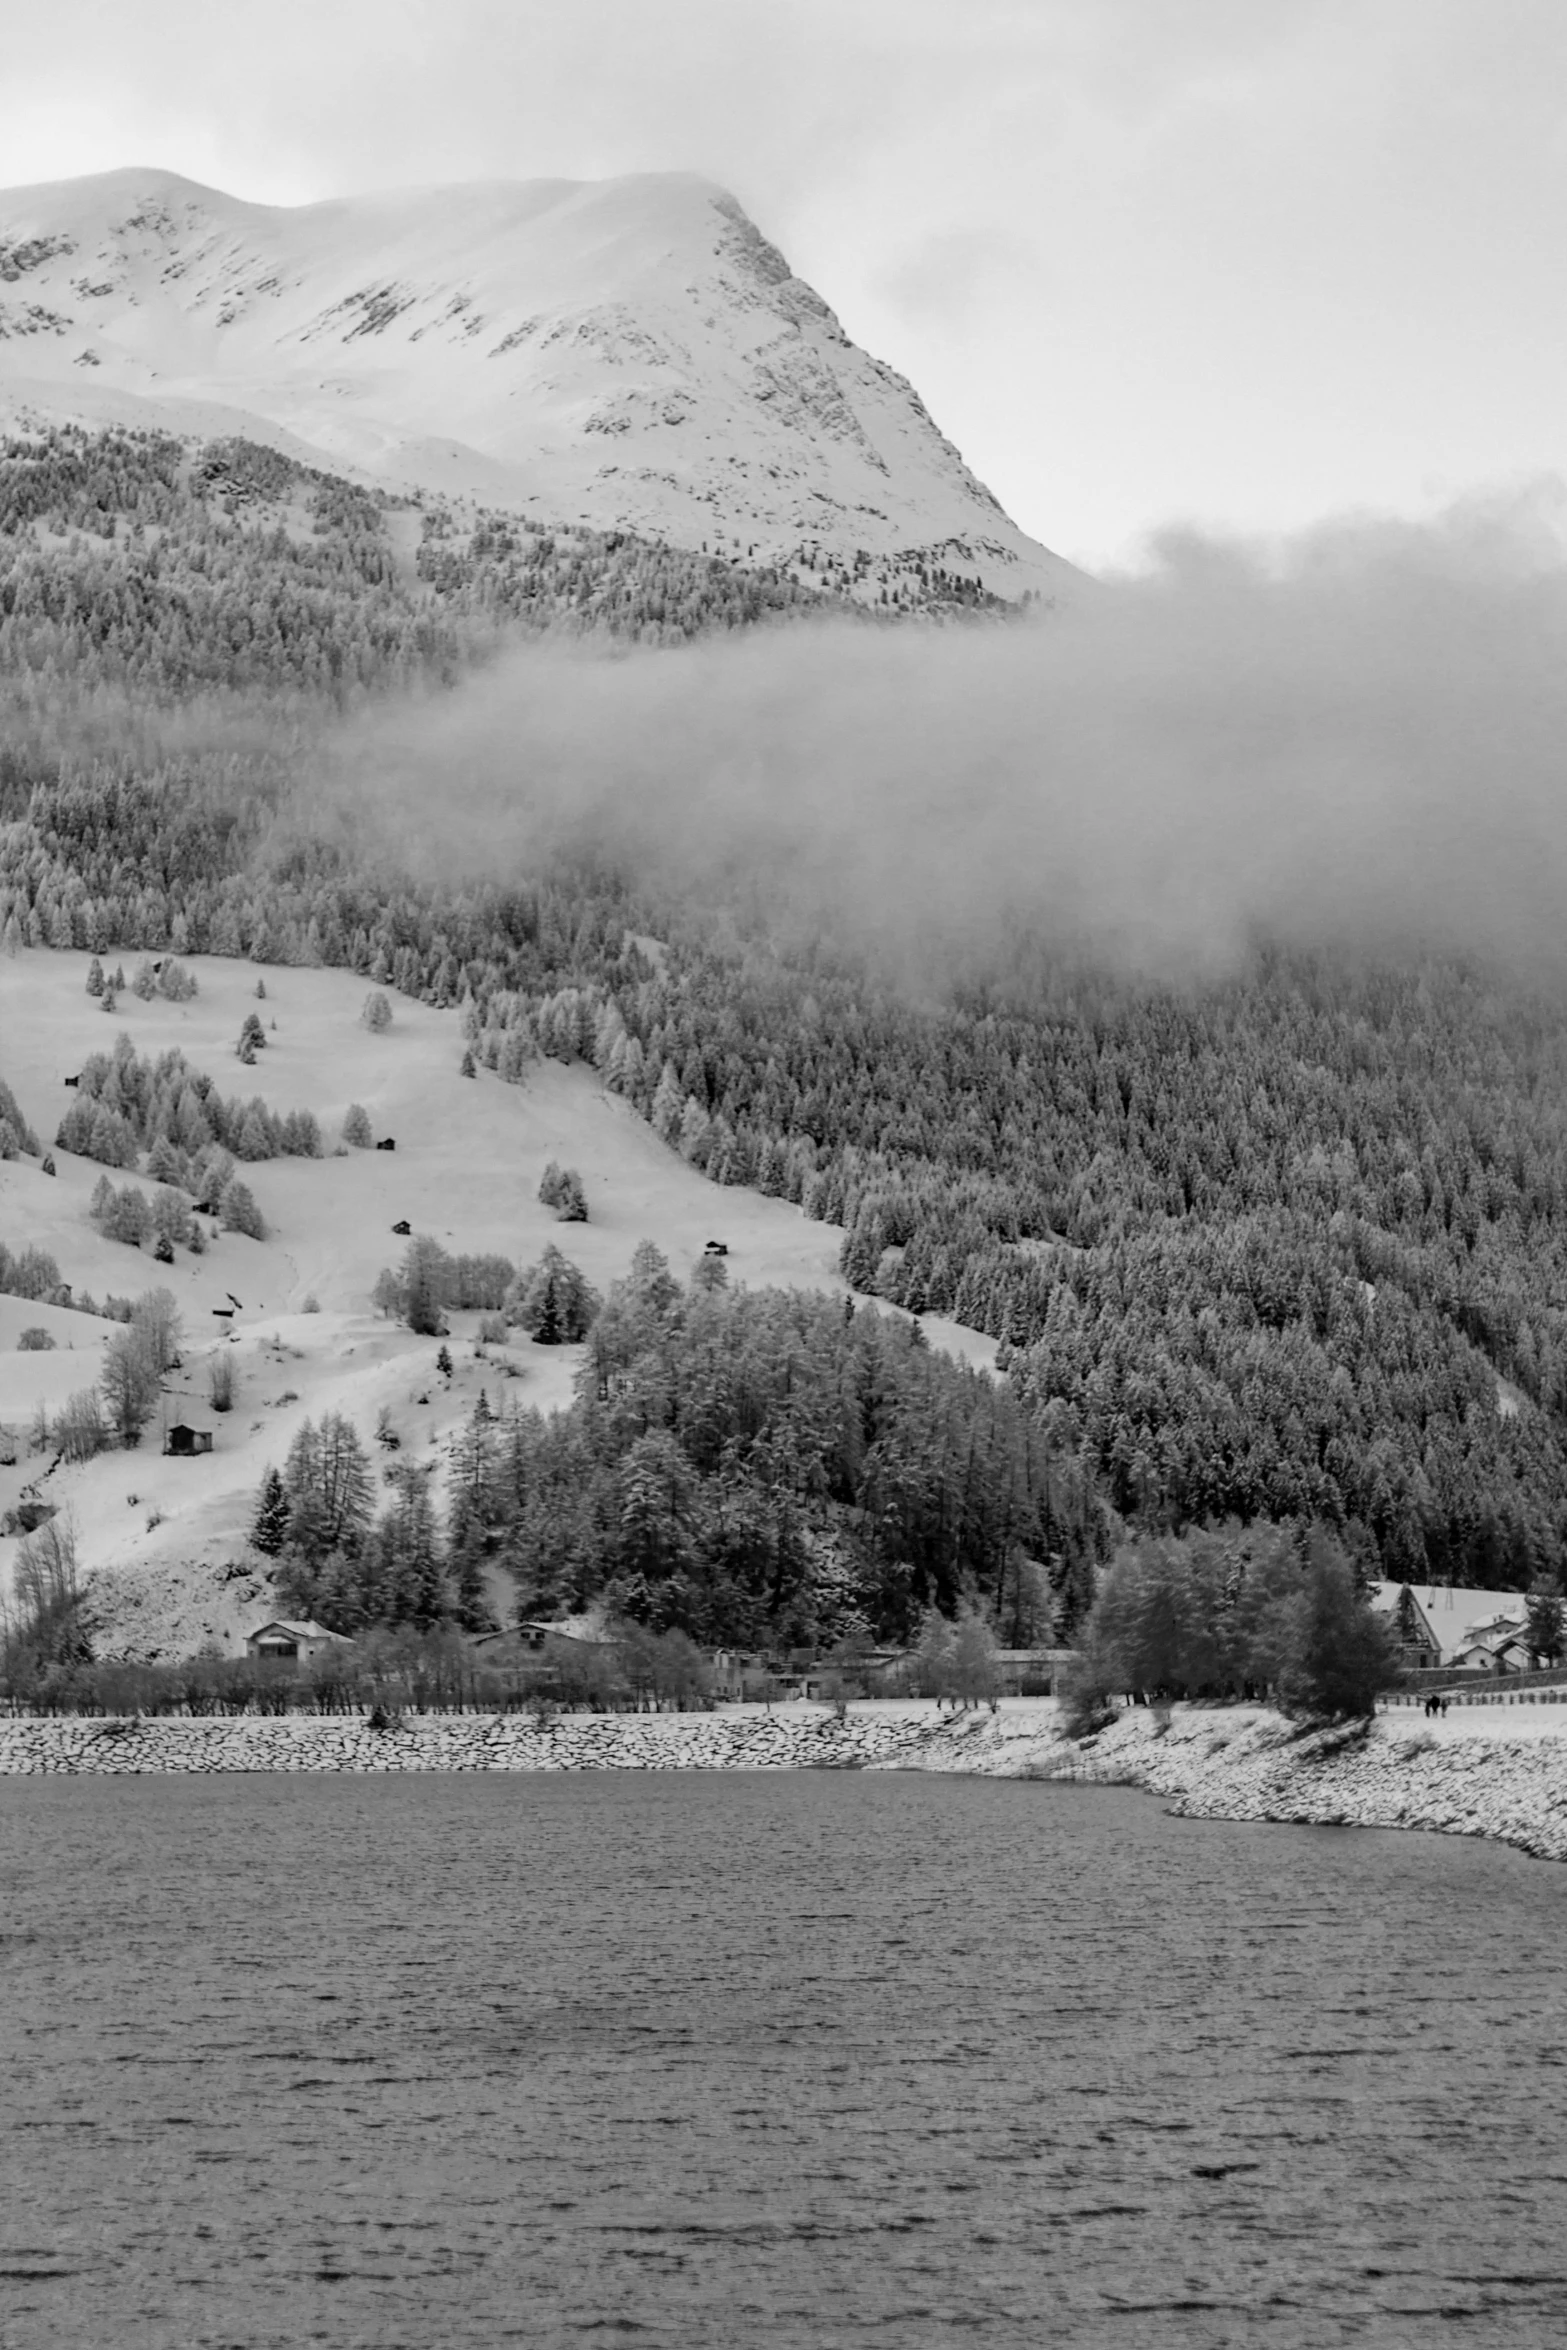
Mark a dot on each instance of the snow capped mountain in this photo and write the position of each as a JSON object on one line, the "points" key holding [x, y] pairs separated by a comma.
{"points": [[631, 353]]}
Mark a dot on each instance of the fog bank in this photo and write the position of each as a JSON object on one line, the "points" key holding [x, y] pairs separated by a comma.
{"points": [[1359, 737]]}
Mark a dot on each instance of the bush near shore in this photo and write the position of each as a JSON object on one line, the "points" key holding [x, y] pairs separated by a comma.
{"points": [[405, 1670]]}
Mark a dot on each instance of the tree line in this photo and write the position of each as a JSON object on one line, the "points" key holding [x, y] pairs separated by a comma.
{"points": [[752, 1469], [1272, 1243], [1292, 1242]]}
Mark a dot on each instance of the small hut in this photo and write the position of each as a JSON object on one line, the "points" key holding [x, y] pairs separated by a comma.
{"points": [[185, 1437]]}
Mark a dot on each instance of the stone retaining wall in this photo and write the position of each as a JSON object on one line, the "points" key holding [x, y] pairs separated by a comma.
{"points": [[459, 1742], [1237, 1763]]}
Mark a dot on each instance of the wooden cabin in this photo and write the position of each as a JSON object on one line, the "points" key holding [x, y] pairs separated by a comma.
{"points": [[185, 1437]]}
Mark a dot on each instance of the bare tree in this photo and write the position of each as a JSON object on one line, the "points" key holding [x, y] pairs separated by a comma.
{"points": [[157, 1317], [80, 1431], [50, 1625], [130, 1381]]}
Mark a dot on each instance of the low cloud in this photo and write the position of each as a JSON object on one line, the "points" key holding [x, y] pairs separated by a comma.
{"points": [[1358, 739]]}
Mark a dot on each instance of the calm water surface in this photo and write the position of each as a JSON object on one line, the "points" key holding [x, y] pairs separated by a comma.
{"points": [[784, 2060]]}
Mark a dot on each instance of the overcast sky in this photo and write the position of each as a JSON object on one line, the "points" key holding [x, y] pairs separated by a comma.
{"points": [[1241, 263]]}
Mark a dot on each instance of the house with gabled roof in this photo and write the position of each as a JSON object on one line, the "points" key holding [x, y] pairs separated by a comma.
{"points": [[1446, 1614], [283, 1642], [1500, 1645], [588, 1630]]}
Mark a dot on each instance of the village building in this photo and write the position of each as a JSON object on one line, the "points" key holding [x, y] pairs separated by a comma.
{"points": [[579, 1633], [1445, 1618], [1500, 1645], [555, 1652], [291, 1643]]}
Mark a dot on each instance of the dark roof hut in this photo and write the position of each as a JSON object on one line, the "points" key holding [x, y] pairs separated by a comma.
{"points": [[185, 1437]]}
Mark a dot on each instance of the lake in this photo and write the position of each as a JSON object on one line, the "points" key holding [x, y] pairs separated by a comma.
{"points": [[816, 2059]]}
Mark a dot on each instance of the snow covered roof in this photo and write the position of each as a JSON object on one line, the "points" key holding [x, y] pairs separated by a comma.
{"points": [[589, 1629], [308, 1630], [1452, 1611]]}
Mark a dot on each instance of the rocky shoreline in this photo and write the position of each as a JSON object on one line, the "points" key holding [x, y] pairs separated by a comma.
{"points": [[791, 1739], [1235, 1763], [1246, 1763]]}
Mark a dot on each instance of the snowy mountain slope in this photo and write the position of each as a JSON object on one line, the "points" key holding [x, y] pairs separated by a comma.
{"points": [[631, 353], [157, 1532]]}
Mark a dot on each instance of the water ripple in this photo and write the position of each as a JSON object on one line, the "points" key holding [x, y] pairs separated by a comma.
{"points": [[815, 2062]]}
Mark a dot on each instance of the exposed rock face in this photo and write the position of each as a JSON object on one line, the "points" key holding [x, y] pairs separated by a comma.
{"points": [[631, 353]]}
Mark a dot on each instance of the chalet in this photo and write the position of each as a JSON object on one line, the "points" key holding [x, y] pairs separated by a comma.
{"points": [[502, 1651], [569, 1632], [386, 1143], [1498, 1645], [565, 1652], [1444, 1615], [287, 1643], [185, 1437], [1420, 1650]]}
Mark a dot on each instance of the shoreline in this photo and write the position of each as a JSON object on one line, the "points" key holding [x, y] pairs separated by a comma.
{"points": [[1503, 1778], [1494, 1779]]}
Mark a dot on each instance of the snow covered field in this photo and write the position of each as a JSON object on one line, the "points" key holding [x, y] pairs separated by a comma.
{"points": [[466, 1169]]}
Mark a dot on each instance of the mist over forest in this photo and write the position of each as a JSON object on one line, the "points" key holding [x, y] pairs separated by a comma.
{"points": [[1353, 740], [1168, 986]]}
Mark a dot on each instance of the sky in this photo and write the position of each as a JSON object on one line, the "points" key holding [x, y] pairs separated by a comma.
{"points": [[1231, 265]]}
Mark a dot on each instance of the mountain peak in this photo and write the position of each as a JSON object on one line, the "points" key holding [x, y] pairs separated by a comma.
{"points": [[633, 353]]}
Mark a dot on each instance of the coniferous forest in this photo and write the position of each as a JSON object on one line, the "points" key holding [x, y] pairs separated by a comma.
{"points": [[753, 1469], [1286, 1244]]}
